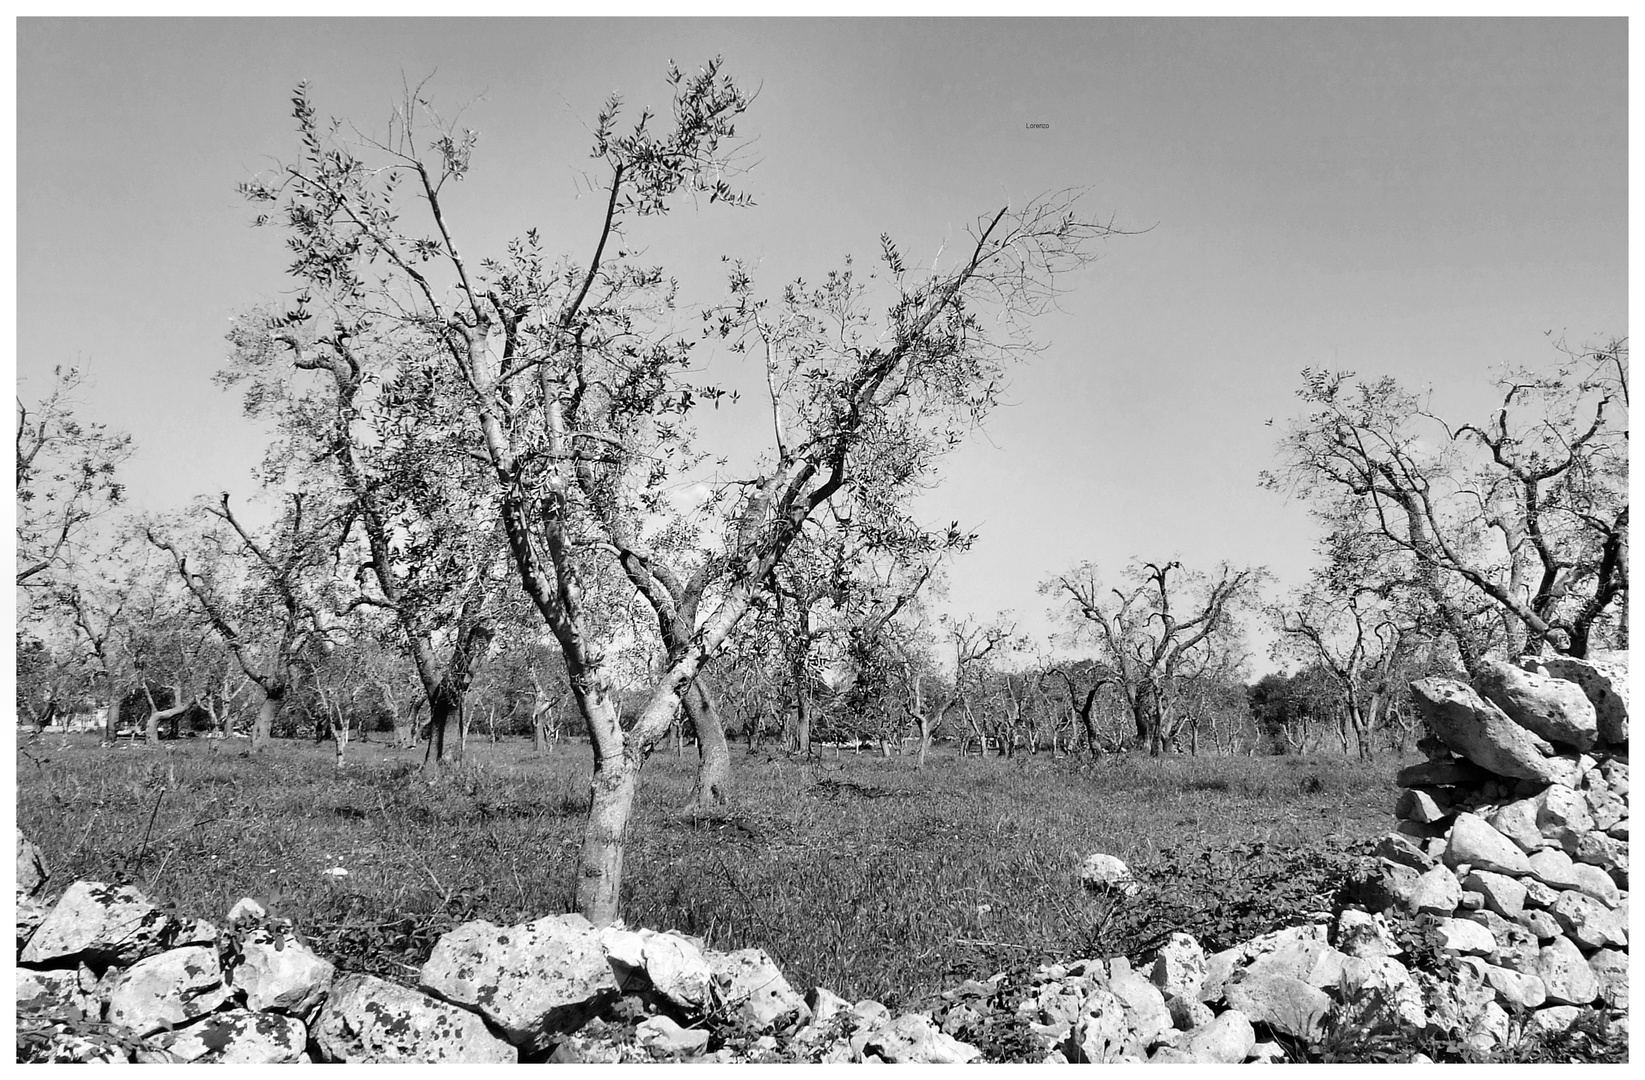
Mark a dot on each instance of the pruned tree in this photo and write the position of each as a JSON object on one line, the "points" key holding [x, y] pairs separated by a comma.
{"points": [[1157, 633], [275, 616], [1514, 528], [576, 389]]}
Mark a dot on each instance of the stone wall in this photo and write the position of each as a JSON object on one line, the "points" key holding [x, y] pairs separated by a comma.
{"points": [[1510, 860]]}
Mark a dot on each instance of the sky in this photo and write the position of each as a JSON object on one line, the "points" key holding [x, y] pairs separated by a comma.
{"points": [[1420, 198]]}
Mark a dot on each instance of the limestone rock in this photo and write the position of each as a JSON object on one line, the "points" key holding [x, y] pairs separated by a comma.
{"points": [[1596, 883], [1513, 988], [752, 989], [31, 867], [1551, 1020], [167, 989], [1380, 884], [367, 1019], [1465, 936], [1517, 821], [1480, 731], [533, 981], [1562, 815], [30, 914], [59, 992], [1267, 1053], [1145, 1011], [1226, 1040], [239, 1037], [100, 923], [1565, 975], [278, 973], [1489, 1028], [1602, 851], [662, 1037], [1188, 1013], [1421, 805], [1588, 922], [667, 963], [1610, 967], [1286, 1004], [1402, 849], [1503, 895], [1553, 867], [1361, 934], [1436, 892], [913, 1038], [1105, 873], [1378, 990], [1605, 682], [1540, 923], [1553, 708], [1100, 1033], [1179, 967], [1473, 841]]}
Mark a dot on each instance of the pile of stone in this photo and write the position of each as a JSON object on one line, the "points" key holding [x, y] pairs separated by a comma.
{"points": [[1512, 845]]}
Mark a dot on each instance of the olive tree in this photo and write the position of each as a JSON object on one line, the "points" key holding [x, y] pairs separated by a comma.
{"points": [[575, 384], [1514, 527]]}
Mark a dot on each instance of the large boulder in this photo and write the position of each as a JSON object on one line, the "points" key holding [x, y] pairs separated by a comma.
{"points": [[367, 1019], [239, 1037], [31, 867], [101, 924], [1603, 677], [1517, 821], [534, 981], [167, 990], [1479, 731], [752, 990], [278, 973], [668, 964], [1553, 708]]}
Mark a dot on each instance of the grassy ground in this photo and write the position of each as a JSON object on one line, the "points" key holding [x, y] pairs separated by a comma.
{"points": [[859, 873]]}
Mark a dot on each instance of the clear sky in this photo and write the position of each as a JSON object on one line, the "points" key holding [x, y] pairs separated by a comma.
{"points": [[1425, 198]]}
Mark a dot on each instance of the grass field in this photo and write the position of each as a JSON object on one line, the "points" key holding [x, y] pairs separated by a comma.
{"points": [[858, 873]]}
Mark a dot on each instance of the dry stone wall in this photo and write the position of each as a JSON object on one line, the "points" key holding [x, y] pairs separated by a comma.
{"points": [[1510, 857]]}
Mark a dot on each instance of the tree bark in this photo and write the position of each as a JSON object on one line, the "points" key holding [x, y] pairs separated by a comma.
{"points": [[600, 866], [714, 756], [263, 729]]}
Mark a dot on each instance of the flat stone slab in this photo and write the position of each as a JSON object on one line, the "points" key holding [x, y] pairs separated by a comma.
{"points": [[533, 981], [367, 1019], [99, 923], [167, 990], [239, 1037], [1479, 731], [1551, 707]]}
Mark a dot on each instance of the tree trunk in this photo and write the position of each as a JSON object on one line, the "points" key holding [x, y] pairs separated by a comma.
{"points": [[442, 711], [714, 756], [600, 870], [539, 727], [263, 728]]}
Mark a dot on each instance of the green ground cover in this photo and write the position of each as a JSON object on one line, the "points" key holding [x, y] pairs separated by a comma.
{"points": [[858, 873]]}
